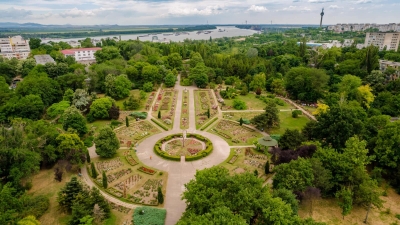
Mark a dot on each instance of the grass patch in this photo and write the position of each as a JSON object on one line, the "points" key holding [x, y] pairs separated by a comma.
{"points": [[148, 215], [120, 103], [159, 124], [288, 122], [252, 102], [184, 123]]}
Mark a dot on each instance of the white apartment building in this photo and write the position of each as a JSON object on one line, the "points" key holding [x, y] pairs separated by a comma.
{"points": [[14, 47], [81, 54], [393, 27], [382, 40]]}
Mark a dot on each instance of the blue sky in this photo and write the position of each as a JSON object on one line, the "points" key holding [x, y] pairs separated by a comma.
{"points": [[147, 12]]}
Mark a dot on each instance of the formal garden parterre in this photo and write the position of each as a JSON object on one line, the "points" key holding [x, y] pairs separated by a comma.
{"points": [[185, 110], [235, 134], [164, 106], [204, 104], [129, 180], [137, 131], [192, 147]]}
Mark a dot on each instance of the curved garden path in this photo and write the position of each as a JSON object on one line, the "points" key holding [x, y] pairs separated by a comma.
{"points": [[179, 173]]}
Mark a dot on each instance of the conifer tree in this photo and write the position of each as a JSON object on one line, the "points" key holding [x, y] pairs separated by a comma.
{"points": [[105, 182], [127, 121], [241, 121], [267, 168], [159, 114], [160, 196], [94, 172]]}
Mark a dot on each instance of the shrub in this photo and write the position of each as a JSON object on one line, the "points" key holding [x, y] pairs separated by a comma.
{"points": [[159, 124], [140, 115], [258, 91], [149, 215], [186, 82], [148, 87], [88, 142], [296, 113], [279, 101], [239, 104]]}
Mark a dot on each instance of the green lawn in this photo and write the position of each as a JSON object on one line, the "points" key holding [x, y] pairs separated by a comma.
{"points": [[120, 103], [288, 122], [251, 102]]}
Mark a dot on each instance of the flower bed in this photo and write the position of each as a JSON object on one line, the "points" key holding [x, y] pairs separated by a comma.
{"points": [[146, 170], [194, 153], [131, 160], [233, 159]]}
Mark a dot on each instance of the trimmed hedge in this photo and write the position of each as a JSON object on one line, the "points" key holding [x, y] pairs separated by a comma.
{"points": [[199, 155], [159, 124], [209, 123], [149, 215]]}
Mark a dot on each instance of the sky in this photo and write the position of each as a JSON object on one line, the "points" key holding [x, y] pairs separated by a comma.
{"points": [[163, 12]]}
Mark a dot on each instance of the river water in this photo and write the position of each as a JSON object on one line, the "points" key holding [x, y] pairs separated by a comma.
{"points": [[221, 31]]}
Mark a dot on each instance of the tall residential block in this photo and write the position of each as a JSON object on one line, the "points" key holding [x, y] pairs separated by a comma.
{"points": [[382, 40], [14, 47]]}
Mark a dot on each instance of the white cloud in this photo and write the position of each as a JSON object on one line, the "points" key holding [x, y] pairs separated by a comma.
{"points": [[188, 11], [295, 8], [14, 13], [319, 1], [75, 12], [256, 8], [363, 1], [334, 7]]}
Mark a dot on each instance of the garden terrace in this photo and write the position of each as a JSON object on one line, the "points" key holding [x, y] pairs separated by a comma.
{"points": [[171, 147], [136, 132], [235, 116], [136, 94], [129, 180], [204, 101], [185, 110], [235, 134], [246, 160], [166, 104]]}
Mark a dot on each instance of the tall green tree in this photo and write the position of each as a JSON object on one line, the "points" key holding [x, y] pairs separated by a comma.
{"points": [[242, 194], [160, 196], [296, 175], [269, 119], [104, 179], [106, 142]]}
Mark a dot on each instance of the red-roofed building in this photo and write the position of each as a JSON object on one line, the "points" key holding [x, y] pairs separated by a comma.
{"points": [[81, 54]]}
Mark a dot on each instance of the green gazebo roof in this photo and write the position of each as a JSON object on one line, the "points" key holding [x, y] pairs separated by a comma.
{"points": [[267, 141]]}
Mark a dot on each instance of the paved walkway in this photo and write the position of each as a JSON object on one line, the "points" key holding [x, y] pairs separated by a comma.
{"points": [[305, 112], [179, 173]]}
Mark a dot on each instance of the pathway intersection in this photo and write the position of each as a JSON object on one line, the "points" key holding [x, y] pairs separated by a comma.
{"points": [[179, 173]]}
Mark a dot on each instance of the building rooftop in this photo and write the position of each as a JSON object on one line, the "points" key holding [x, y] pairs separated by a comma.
{"points": [[72, 51], [43, 59]]}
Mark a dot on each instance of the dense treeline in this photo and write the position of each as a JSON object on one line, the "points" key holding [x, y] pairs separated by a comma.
{"points": [[79, 34], [355, 104]]}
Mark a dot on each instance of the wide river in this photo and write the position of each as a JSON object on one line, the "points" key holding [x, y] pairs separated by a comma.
{"points": [[221, 31]]}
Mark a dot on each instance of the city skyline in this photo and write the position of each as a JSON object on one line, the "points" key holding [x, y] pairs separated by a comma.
{"points": [[140, 12]]}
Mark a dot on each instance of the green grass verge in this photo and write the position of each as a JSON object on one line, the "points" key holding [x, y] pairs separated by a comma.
{"points": [[159, 124], [209, 123], [148, 215]]}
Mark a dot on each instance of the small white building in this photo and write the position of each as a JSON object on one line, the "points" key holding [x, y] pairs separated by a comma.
{"points": [[81, 54]]}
